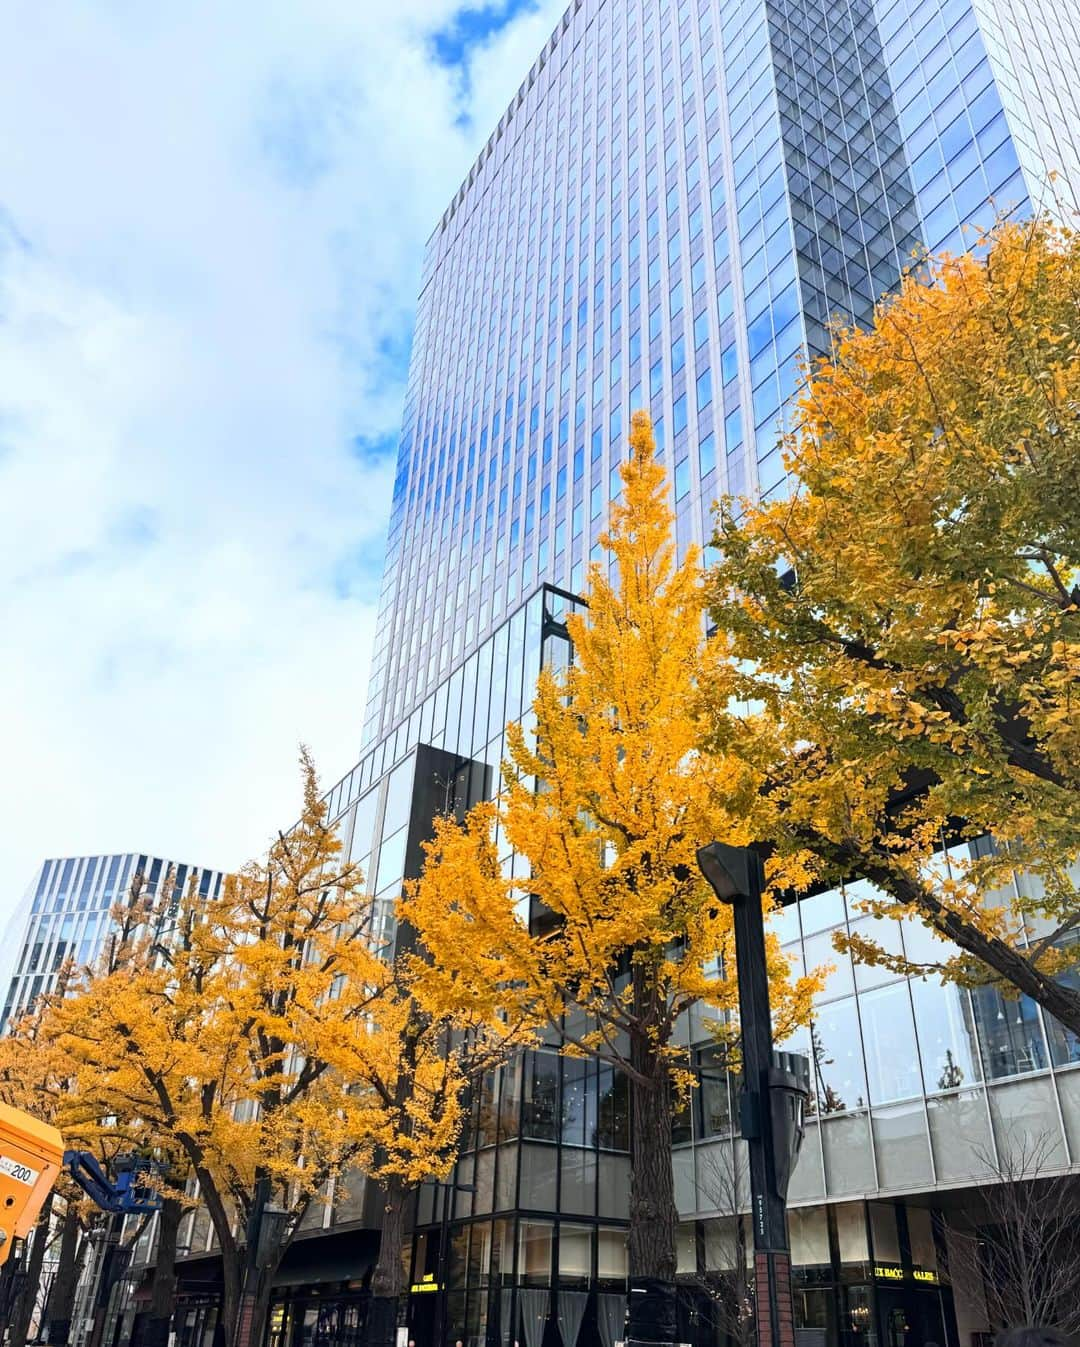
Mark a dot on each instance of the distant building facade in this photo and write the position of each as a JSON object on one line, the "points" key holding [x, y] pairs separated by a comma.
{"points": [[70, 902]]}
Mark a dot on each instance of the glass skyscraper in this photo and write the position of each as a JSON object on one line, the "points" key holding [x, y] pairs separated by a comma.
{"points": [[678, 200], [69, 921]]}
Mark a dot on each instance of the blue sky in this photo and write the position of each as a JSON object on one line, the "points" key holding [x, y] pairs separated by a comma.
{"points": [[211, 228]]}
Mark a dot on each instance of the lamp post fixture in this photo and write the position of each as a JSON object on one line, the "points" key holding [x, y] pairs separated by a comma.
{"points": [[776, 1086]]}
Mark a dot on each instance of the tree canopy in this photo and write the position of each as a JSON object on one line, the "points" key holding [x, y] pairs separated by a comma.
{"points": [[612, 934], [910, 617], [237, 1035]]}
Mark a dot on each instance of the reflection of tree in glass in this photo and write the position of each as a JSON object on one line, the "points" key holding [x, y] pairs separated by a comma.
{"points": [[613, 1111], [830, 1101], [952, 1075], [541, 1096]]}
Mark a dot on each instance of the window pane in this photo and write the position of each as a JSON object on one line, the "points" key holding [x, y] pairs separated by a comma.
{"points": [[534, 1252], [837, 1058], [1010, 1034], [946, 1035], [539, 1112], [889, 1035]]}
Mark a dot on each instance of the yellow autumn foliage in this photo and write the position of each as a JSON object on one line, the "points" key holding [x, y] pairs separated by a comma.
{"points": [[614, 934], [910, 617]]}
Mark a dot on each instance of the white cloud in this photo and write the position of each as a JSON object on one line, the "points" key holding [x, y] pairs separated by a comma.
{"points": [[211, 228]]}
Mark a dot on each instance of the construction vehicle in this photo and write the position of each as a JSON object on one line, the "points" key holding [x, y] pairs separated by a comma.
{"points": [[31, 1156]]}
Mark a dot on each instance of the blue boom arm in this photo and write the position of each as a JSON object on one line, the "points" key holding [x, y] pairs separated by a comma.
{"points": [[127, 1196]]}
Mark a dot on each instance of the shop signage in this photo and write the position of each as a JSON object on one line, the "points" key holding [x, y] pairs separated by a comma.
{"points": [[892, 1272], [426, 1283]]}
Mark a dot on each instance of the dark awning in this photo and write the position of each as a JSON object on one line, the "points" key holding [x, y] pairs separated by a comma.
{"points": [[347, 1256], [315, 1256]]}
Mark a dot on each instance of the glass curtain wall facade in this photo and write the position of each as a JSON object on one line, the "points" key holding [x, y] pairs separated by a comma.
{"points": [[71, 900], [679, 198]]}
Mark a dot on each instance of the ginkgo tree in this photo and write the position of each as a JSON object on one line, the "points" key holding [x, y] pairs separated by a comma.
{"points": [[607, 800], [910, 617], [237, 1037], [88, 1111]]}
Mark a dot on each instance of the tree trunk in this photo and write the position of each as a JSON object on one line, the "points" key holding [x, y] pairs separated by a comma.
{"points": [[65, 1282], [1011, 965], [254, 1307], [24, 1308], [231, 1270], [230, 1294], [163, 1288], [653, 1215], [256, 1279], [388, 1278]]}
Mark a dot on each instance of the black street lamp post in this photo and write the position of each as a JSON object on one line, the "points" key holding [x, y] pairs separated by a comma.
{"points": [[776, 1086]]}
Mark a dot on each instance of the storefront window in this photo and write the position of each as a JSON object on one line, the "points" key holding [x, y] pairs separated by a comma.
{"points": [[457, 1257], [851, 1241], [809, 1231], [535, 1240], [858, 1326], [884, 1233], [480, 1254], [722, 1243], [502, 1253], [813, 1310], [611, 1255], [921, 1237], [575, 1254]]}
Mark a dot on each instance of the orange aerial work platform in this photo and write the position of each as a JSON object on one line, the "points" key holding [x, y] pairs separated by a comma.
{"points": [[31, 1154]]}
